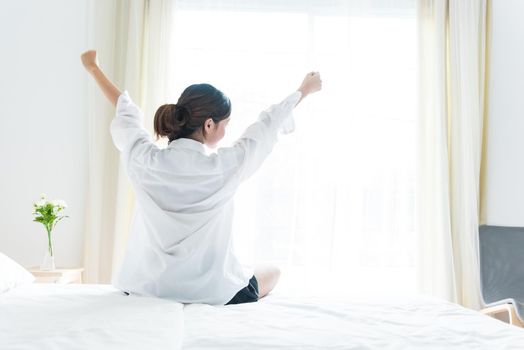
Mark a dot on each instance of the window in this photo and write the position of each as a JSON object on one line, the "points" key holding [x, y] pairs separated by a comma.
{"points": [[333, 205]]}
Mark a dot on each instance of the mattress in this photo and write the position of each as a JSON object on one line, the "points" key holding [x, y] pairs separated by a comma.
{"points": [[83, 316], [360, 322]]}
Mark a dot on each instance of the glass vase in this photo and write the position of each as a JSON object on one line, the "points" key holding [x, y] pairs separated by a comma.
{"points": [[48, 264]]}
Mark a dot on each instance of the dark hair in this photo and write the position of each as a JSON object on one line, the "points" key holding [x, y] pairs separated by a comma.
{"points": [[197, 103]]}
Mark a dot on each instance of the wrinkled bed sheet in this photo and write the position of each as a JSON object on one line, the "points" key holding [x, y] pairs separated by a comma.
{"points": [[83, 316], [360, 322], [48, 316]]}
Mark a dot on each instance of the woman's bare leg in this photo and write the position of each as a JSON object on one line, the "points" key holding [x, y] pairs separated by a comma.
{"points": [[267, 277]]}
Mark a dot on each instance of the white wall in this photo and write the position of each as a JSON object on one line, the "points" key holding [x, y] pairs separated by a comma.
{"points": [[43, 120], [505, 156]]}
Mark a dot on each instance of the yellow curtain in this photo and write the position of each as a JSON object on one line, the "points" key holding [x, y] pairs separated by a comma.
{"points": [[133, 41], [453, 51]]}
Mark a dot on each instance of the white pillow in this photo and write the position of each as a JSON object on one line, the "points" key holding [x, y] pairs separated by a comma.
{"points": [[12, 274]]}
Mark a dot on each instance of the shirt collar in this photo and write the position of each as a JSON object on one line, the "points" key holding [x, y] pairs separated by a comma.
{"points": [[187, 143]]}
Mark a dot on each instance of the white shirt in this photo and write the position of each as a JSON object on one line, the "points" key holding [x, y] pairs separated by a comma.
{"points": [[179, 244]]}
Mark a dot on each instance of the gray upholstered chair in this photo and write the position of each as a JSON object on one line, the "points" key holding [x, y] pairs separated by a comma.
{"points": [[502, 271]]}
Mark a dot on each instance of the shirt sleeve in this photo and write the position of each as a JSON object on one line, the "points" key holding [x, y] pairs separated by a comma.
{"points": [[127, 128], [258, 140]]}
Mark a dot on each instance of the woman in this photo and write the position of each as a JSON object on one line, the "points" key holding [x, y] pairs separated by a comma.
{"points": [[180, 244]]}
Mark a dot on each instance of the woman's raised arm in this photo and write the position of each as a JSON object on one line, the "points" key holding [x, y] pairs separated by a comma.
{"points": [[109, 89]]}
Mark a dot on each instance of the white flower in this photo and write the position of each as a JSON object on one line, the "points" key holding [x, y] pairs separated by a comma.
{"points": [[40, 203], [59, 203], [42, 196]]}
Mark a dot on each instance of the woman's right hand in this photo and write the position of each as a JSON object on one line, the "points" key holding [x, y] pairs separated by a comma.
{"points": [[108, 88], [89, 60], [311, 83]]}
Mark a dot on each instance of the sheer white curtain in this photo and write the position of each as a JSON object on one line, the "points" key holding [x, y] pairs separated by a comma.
{"points": [[452, 97], [132, 38], [333, 206]]}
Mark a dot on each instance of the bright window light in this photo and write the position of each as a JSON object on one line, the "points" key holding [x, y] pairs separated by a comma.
{"points": [[333, 205]]}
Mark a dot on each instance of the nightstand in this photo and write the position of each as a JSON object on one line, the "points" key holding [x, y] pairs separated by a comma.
{"points": [[59, 276]]}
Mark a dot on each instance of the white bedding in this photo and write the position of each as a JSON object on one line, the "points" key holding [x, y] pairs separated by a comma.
{"points": [[278, 322], [48, 316], [82, 316]]}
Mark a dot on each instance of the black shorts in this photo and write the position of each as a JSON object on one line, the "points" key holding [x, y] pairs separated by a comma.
{"points": [[248, 294]]}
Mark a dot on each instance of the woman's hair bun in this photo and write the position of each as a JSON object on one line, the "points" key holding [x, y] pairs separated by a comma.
{"points": [[163, 122], [171, 119]]}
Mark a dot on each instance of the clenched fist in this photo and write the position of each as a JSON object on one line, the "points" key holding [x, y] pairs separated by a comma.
{"points": [[89, 60], [311, 83]]}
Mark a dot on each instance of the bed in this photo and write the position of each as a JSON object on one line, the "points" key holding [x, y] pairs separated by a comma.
{"points": [[51, 316], [357, 322], [82, 316]]}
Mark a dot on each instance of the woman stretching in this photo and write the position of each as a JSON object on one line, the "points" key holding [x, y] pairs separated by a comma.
{"points": [[180, 244]]}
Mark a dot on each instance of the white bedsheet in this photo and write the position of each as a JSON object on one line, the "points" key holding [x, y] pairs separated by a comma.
{"points": [[278, 322], [49, 316]]}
